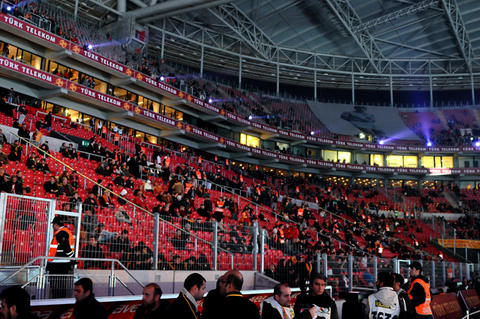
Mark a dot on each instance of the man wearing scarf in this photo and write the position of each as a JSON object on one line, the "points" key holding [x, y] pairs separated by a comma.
{"points": [[278, 305], [185, 306]]}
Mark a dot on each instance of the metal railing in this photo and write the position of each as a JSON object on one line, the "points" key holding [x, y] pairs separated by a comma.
{"points": [[37, 285]]}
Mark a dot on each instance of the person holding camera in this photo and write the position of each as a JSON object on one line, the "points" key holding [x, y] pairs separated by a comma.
{"points": [[317, 296]]}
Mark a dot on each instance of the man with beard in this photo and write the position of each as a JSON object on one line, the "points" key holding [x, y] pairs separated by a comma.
{"points": [[150, 309], [15, 304], [278, 305]]}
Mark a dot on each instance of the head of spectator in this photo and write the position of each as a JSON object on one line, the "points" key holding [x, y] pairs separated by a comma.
{"points": [[83, 289], [124, 234], [233, 282], [64, 181], [398, 281], [93, 240], [151, 296], [15, 303], [282, 294], [384, 279], [318, 282], [415, 269], [52, 180], [195, 285]]}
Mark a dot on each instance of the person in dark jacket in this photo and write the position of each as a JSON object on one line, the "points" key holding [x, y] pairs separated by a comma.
{"points": [[92, 250], [276, 306], [185, 306], [317, 296], [16, 304], [234, 304], [87, 307], [419, 292], [151, 307], [406, 308], [212, 300]]}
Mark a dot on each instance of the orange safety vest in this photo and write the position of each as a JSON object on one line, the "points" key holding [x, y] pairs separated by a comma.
{"points": [[281, 236], [167, 161], [387, 228], [226, 161], [216, 158], [104, 130], [54, 246], [369, 220], [187, 187], [380, 249], [117, 137], [199, 175], [424, 308], [220, 203], [241, 178], [300, 212], [199, 160]]}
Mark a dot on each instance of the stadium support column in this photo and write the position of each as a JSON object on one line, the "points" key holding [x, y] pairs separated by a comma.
{"points": [[215, 245], [391, 90], [278, 73], [240, 69], [431, 90], [156, 235], [255, 245], [353, 89], [203, 52], [473, 89], [75, 11], [163, 39], [315, 78], [122, 6]]}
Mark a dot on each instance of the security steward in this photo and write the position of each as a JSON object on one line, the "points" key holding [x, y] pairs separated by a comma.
{"points": [[420, 293], [62, 245]]}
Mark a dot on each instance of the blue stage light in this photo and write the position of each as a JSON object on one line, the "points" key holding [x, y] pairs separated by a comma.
{"points": [[90, 47], [9, 8], [429, 144]]}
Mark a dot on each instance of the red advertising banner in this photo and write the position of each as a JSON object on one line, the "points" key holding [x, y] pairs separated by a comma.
{"points": [[126, 309], [470, 298], [32, 72], [447, 306], [100, 59], [33, 30]]}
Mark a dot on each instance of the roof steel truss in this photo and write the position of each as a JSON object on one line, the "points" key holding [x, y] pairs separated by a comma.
{"points": [[349, 18], [460, 32]]}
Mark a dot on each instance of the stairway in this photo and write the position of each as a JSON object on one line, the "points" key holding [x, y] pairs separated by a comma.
{"points": [[451, 200], [442, 118], [476, 113]]}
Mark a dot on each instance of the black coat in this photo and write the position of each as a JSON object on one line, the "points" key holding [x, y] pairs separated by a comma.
{"points": [[181, 308], [89, 308]]}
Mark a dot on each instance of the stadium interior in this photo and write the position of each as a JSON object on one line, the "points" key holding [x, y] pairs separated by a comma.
{"points": [[265, 136]]}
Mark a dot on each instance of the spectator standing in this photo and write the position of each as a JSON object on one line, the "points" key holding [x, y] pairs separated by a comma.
{"points": [[185, 306], [151, 307], [278, 305], [86, 306], [406, 308], [318, 297], [384, 303]]}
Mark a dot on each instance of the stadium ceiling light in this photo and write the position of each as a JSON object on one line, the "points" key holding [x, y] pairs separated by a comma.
{"points": [[250, 117], [429, 144], [381, 142], [312, 133], [210, 100]]}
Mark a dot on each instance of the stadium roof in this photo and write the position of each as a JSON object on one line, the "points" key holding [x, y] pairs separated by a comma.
{"points": [[417, 44]]}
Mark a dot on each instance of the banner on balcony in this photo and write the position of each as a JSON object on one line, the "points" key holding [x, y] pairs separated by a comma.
{"points": [[460, 243]]}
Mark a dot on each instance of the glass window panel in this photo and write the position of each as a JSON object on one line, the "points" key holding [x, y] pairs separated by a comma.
{"points": [[156, 107], [376, 159], [438, 162], [13, 52], [27, 57], [36, 62], [427, 162], [447, 161], [253, 141], [101, 86], [120, 93], [330, 156], [410, 161], [243, 139], [169, 112], [345, 157], [394, 160]]}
